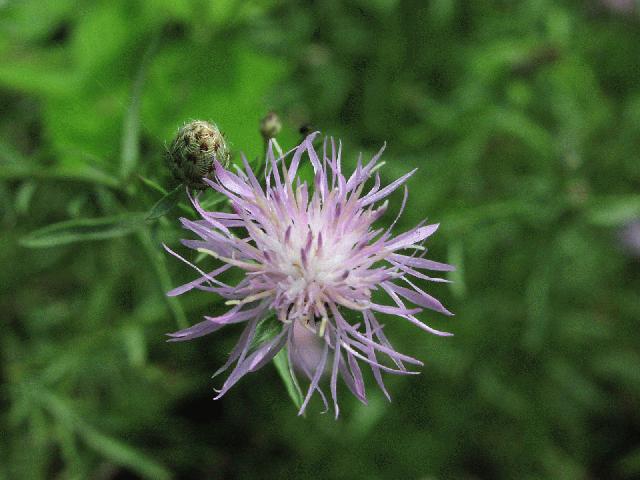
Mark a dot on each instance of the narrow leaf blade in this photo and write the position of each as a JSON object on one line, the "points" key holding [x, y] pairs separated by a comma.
{"points": [[83, 229], [166, 203], [293, 389], [153, 185]]}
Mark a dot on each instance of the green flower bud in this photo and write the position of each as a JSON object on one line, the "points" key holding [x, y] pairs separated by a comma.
{"points": [[270, 126], [190, 156]]}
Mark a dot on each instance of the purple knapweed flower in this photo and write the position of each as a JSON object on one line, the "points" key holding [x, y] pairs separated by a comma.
{"points": [[312, 258]]}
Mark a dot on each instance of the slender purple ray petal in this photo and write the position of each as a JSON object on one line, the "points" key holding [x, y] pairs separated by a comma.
{"points": [[386, 191], [372, 356], [241, 348], [412, 237], [422, 263], [417, 274], [419, 298], [316, 378], [211, 324], [197, 282], [253, 362]]}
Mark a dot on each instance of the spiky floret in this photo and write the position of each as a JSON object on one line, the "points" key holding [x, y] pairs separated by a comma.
{"points": [[309, 254]]}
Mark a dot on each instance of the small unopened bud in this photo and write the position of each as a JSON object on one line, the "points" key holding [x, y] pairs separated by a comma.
{"points": [[270, 126], [191, 154]]}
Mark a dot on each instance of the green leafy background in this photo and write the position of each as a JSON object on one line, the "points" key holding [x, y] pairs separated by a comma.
{"points": [[524, 120]]}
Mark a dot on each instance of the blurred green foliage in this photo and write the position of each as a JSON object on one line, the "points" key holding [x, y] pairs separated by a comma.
{"points": [[524, 119]]}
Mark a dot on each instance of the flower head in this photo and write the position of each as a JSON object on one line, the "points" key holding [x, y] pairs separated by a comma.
{"points": [[311, 256], [191, 154]]}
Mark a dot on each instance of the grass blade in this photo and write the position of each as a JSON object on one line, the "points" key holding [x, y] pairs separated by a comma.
{"points": [[83, 229], [130, 146]]}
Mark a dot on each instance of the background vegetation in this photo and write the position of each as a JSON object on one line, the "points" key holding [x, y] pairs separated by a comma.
{"points": [[524, 120]]}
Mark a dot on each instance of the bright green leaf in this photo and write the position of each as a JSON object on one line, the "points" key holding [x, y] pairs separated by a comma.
{"points": [[456, 258], [281, 363]]}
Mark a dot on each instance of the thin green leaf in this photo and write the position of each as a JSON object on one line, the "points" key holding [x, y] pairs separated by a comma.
{"points": [[539, 314], [66, 438], [210, 203], [130, 148], [456, 258], [135, 345], [84, 229], [281, 363], [40, 76], [15, 171], [24, 195], [152, 185], [109, 447], [166, 203], [201, 256], [266, 329], [123, 454], [614, 211]]}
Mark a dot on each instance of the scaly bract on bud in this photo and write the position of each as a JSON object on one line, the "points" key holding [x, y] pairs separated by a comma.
{"points": [[192, 153]]}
